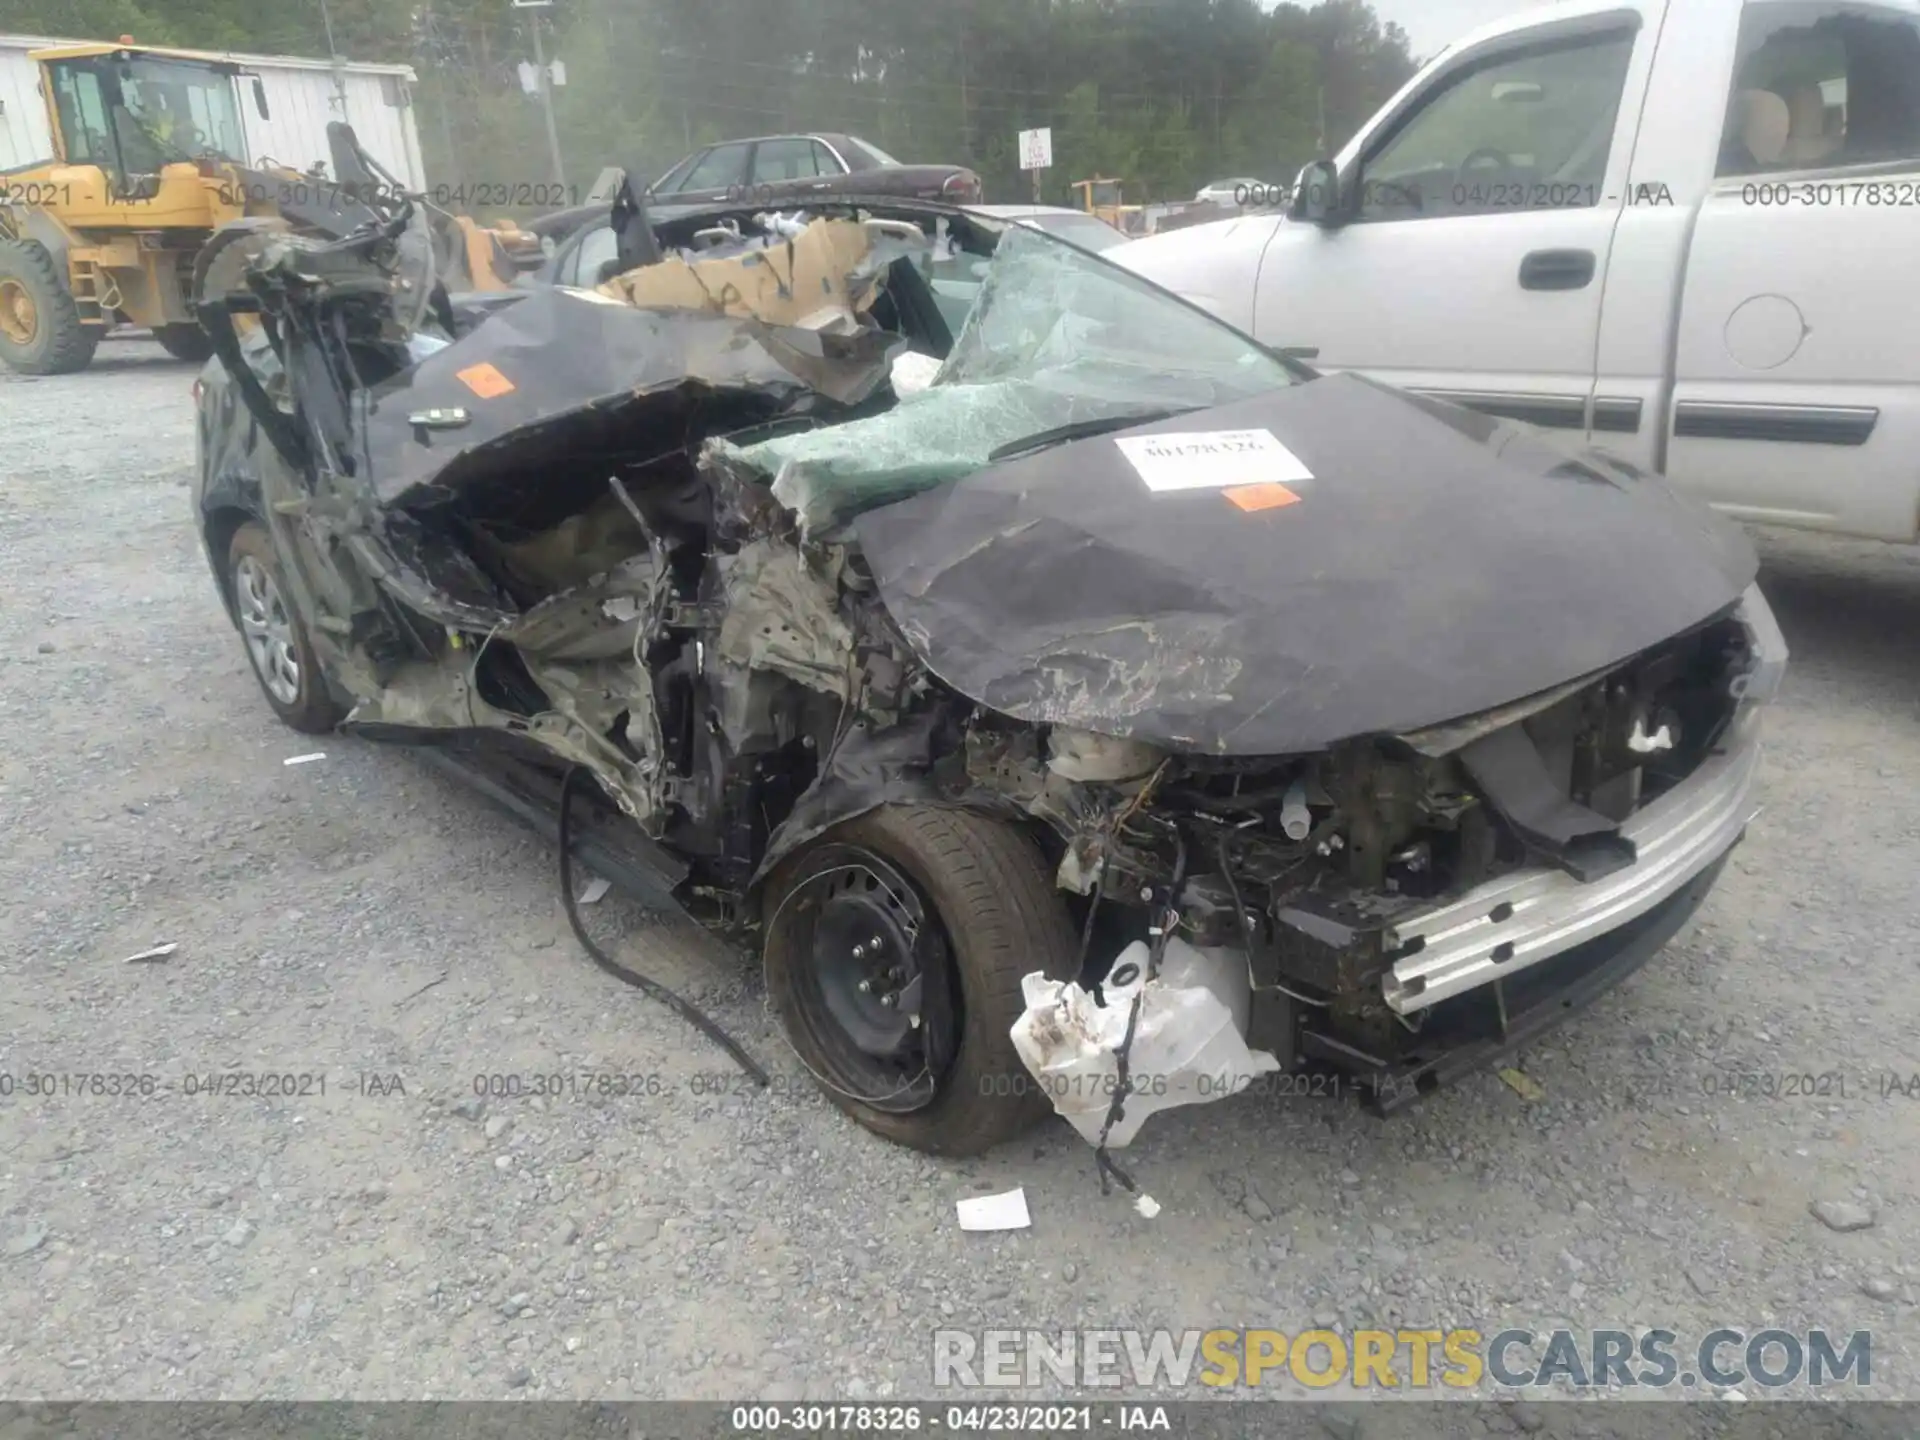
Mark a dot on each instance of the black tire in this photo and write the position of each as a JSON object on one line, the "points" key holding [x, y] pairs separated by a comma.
{"points": [[986, 885], [54, 342], [306, 705], [184, 342]]}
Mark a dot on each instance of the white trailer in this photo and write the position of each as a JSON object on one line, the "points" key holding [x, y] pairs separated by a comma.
{"points": [[302, 96]]}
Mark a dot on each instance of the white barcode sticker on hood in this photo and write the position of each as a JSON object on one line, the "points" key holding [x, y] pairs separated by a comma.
{"points": [[1211, 459]]}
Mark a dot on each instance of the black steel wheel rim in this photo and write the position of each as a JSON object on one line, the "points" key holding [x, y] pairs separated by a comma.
{"points": [[872, 981]]}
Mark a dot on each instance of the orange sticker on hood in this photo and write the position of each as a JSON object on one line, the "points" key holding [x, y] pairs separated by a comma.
{"points": [[1261, 497], [485, 381]]}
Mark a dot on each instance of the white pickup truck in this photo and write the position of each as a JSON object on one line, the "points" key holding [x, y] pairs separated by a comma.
{"points": [[1687, 229]]}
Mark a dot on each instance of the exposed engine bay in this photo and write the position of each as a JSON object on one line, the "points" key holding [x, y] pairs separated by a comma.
{"points": [[705, 535]]}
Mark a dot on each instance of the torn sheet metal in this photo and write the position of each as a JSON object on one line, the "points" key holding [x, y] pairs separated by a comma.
{"points": [[1189, 1046], [780, 616], [1059, 589]]}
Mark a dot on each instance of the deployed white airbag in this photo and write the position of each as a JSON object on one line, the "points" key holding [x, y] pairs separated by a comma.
{"points": [[1189, 1046]]}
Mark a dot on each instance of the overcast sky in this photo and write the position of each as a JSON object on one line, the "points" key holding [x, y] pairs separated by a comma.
{"points": [[1433, 23]]}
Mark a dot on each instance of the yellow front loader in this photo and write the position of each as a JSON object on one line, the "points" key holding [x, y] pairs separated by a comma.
{"points": [[148, 182], [1103, 198]]}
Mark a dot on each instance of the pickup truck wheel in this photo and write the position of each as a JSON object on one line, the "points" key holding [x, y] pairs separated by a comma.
{"points": [[895, 946], [276, 642], [184, 342], [40, 329]]}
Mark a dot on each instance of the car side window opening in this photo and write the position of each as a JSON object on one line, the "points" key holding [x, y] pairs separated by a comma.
{"points": [[1820, 85], [596, 248], [775, 161], [676, 178], [1520, 131], [824, 161], [717, 169], [862, 155]]}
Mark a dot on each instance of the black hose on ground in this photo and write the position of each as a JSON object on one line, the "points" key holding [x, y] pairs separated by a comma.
{"points": [[686, 1009]]}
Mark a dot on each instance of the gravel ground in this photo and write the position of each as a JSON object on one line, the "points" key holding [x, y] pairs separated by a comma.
{"points": [[364, 919]]}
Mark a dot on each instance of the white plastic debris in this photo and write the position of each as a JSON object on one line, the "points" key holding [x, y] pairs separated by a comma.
{"points": [[305, 759], [1146, 1205], [1189, 1047], [912, 372], [1007, 1211], [157, 952], [790, 226], [596, 890]]}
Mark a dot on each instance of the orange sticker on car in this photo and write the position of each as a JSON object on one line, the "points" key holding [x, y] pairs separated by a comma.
{"points": [[1261, 497], [484, 380]]}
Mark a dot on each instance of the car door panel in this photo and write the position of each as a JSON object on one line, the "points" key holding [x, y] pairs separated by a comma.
{"points": [[1796, 395], [1483, 288]]}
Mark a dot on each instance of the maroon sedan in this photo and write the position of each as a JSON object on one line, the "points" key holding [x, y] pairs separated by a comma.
{"points": [[772, 168]]}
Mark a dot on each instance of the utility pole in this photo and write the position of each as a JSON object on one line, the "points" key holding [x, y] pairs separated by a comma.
{"points": [[546, 105], [545, 85], [334, 57]]}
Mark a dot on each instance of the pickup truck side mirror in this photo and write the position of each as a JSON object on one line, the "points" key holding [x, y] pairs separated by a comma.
{"points": [[1316, 194]]}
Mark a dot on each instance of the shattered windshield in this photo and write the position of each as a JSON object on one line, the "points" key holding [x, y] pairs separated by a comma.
{"points": [[1054, 337]]}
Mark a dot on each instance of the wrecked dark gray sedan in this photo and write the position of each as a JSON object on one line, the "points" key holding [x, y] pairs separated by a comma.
{"points": [[1082, 704]]}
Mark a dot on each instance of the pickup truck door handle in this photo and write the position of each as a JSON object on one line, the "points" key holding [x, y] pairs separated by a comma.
{"points": [[1557, 270]]}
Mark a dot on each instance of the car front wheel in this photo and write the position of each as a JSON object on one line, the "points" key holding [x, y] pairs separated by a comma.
{"points": [[276, 642], [895, 945]]}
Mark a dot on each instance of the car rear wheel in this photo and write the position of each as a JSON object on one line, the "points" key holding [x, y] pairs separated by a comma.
{"points": [[276, 642], [895, 946]]}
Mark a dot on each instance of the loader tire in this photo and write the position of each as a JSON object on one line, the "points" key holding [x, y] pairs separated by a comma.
{"points": [[40, 329], [184, 342]]}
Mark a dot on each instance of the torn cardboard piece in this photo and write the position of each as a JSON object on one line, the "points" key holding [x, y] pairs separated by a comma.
{"points": [[804, 282]]}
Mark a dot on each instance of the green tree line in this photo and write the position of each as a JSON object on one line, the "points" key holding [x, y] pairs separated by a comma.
{"points": [[1166, 95]]}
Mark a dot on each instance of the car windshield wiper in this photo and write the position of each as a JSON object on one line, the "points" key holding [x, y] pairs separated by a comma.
{"points": [[1082, 430]]}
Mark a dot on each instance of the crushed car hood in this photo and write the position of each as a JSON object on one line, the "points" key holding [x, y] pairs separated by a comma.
{"points": [[1437, 564]]}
